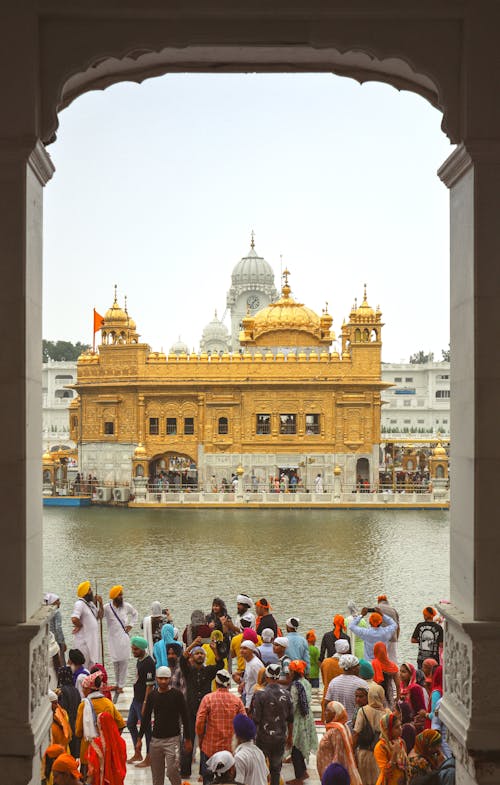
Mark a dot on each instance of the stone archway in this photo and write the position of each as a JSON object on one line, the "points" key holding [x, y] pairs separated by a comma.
{"points": [[444, 50]]}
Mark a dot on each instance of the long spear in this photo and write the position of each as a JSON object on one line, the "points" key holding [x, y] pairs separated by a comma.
{"points": [[100, 624]]}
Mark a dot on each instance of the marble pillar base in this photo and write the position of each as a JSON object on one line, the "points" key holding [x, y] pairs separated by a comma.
{"points": [[470, 707], [25, 718]]}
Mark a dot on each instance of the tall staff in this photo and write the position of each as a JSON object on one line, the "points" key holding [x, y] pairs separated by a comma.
{"points": [[99, 602]]}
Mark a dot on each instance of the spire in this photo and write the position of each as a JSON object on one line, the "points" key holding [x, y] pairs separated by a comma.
{"points": [[252, 240], [285, 290], [125, 309], [365, 301], [116, 296]]}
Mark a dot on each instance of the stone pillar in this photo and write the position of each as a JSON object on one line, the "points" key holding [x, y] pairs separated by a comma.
{"points": [[472, 640], [25, 715]]}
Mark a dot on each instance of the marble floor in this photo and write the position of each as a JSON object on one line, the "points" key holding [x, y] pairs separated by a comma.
{"points": [[142, 776]]}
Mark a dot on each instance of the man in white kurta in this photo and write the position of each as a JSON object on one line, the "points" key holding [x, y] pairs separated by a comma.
{"points": [[85, 618], [120, 617]]}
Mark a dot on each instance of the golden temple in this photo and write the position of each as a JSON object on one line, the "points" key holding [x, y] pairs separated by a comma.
{"points": [[287, 402]]}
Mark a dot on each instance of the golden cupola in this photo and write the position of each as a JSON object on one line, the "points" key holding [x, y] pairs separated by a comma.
{"points": [[118, 327], [365, 324], [287, 323]]}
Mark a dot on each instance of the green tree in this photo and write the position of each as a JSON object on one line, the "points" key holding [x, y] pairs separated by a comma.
{"points": [[446, 354], [421, 357], [62, 350]]}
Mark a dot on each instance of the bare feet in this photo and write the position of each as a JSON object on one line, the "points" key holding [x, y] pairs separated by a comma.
{"points": [[145, 763], [135, 758]]}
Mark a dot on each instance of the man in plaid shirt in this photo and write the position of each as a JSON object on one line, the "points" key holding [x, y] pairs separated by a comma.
{"points": [[214, 721]]}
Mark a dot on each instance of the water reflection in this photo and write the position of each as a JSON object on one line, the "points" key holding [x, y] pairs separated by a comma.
{"points": [[306, 562]]}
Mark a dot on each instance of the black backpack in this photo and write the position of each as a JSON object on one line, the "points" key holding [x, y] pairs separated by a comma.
{"points": [[367, 737]]}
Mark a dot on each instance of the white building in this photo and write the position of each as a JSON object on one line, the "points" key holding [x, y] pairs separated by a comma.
{"points": [[56, 399], [419, 401]]}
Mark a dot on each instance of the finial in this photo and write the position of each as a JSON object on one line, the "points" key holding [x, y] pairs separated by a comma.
{"points": [[126, 305], [365, 301], [252, 240], [116, 300], [355, 303], [286, 273], [216, 313], [326, 306]]}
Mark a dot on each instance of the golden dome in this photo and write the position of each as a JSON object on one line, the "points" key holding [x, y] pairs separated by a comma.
{"points": [[140, 451], [115, 313], [439, 450], [365, 311], [46, 457], [292, 323]]}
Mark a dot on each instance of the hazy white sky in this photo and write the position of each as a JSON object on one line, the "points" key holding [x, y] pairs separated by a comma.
{"points": [[158, 186]]}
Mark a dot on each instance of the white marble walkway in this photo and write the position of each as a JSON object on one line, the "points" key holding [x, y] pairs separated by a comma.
{"points": [[137, 776]]}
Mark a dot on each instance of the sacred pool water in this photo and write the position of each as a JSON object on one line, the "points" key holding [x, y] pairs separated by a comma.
{"points": [[308, 563]]}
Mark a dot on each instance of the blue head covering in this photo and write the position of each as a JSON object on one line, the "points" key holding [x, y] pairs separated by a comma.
{"points": [[160, 648], [335, 774]]}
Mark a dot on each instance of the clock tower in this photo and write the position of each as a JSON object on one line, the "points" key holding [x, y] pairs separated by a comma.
{"points": [[252, 288]]}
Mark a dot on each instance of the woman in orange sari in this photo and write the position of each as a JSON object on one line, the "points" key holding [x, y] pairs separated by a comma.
{"points": [[390, 752], [336, 744], [107, 754], [386, 673]]}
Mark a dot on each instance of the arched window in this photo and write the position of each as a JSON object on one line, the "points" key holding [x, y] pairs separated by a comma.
{"points": [[139, 470], [223, 425], [439, 471], [64, 393], [357, 335]]}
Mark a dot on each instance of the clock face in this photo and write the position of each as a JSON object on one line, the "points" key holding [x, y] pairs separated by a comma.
{"points": [[253, 302]]}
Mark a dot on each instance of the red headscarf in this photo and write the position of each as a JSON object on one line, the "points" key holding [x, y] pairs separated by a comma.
{"points": [[381, 663], [107, 754], [104, 686], [413, 679], [338, 625], [437, 680]]}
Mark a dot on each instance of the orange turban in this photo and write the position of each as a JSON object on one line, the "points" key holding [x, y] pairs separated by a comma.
{"points": [[83, 589], [67, 765], [311, 637], [297, 666], [54, 750], [429, 612], [338, 625], [382, 598], [115, 591], [376, 619]]}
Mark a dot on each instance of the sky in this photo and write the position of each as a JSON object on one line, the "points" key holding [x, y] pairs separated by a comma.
{"points": [[158, 187]]}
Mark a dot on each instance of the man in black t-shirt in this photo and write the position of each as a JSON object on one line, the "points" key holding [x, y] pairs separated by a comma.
{"points": [[168, 706], [429, 636], [143, 685], [198, 678]]}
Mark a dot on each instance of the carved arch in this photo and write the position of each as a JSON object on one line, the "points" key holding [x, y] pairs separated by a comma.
{"points": [[417, 54]]}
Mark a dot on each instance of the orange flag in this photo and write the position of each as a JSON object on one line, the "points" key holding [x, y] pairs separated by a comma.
{"points": [[98, 321]]}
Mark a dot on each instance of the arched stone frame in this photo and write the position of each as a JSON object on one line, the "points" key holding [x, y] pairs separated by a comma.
{"points": [[445, 51]]}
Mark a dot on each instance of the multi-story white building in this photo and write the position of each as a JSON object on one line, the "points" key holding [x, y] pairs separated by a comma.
{"points": [[56, 399], [419, 401]]}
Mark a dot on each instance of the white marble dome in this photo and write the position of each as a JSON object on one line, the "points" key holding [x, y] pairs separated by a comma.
{"points": [[215, 330], [215, 336], [179, 347], [252, 269]]}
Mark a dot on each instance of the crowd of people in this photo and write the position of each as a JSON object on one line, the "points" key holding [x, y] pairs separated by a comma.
{"points": [[241, 687]]}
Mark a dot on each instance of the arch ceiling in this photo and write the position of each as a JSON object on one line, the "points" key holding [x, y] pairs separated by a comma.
{"points": [[417, 53]]}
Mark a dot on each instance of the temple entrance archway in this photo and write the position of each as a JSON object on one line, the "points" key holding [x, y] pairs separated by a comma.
{"points": [[173, 471], [446, 51]]}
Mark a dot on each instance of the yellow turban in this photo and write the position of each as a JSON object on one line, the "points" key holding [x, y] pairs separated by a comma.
{"points": [[115, 591], [83, 589]]}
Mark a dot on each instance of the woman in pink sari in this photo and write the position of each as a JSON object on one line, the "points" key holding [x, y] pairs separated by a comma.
{"points": [[336, 744]]}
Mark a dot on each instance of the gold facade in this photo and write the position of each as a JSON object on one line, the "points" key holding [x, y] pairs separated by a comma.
{"points": [[298, 400]]}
